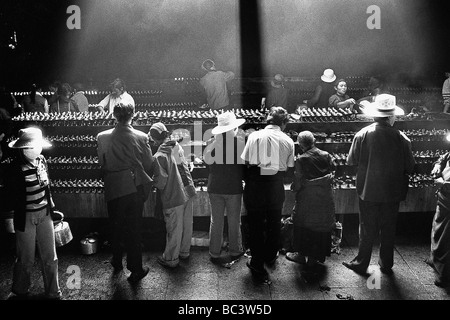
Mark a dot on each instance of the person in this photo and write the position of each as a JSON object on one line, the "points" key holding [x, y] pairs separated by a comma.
{"points": [[118, 95], [446, 92], [6, 129], [323, 91], [384, 159], [79, 97], [278, 94], [35, 101], [8, 102], [226, 174], [55, 89], [340, 99], [29, 196], [439, 258], [268, 154], [126, 160], [64, 102], [314, 215], [214, 82], [177, 196]]}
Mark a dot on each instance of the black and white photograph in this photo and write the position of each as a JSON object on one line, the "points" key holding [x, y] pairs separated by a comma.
{"points": [[221, 158]]}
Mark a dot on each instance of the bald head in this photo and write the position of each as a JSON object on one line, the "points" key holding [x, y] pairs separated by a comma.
{"points": [[306, 140]]}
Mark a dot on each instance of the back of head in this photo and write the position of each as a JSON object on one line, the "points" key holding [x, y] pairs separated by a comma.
{"points": [[306, 139], [65, 90], [277, 116], [123, 112], [158, 132], [208, 65]]}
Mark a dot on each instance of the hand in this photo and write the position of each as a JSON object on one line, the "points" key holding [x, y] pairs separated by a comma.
{"points": [[351, 101], [436, 171]]}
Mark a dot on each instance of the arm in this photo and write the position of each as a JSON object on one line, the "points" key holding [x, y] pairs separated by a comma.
{"points": [[46, 106], [353, 154], [229, 75], [160, 173]]}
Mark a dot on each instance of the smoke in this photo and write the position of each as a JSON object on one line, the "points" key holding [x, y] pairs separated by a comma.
{"points": [[142, 39]]}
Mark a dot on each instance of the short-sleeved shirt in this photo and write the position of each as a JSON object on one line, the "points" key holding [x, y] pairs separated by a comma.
{"points": [[384, 158], [446, 89], [109, 102], [215, 85], [270, 149], [335, 99], [81, 101]]}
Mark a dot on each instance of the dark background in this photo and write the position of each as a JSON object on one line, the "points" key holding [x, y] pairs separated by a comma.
{"points": [[156, 39]]}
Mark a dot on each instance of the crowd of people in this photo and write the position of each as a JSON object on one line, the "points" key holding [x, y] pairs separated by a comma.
{"points": [[244, 171]]}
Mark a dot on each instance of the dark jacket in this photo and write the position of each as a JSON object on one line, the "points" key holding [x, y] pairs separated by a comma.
{"points": [[126, 159], [167, 177]]}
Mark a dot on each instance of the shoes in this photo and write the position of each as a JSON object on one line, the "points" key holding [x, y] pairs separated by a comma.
{"points": [[167, 264], [237, 256], [184, 257], [442, 283], [430, 263], [257, 271], [295, 257], [354, 267], [218, 260], [137, 276], [13, 296], [387, 271], [117, 267]]}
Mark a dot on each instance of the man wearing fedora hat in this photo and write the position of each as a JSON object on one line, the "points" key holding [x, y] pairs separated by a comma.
{"points": [[29, 196], [323, 91], [214, 82], [277, 95], [226, 174], [384, 159]]}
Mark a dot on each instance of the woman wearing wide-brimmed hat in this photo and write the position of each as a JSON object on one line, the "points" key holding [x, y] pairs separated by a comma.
{"points": [[28, 189]]}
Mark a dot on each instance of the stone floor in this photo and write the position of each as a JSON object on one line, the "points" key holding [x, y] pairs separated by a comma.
{"points": [[199, 279]]}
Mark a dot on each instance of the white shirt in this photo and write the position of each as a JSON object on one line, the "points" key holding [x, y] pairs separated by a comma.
{"points": [[109, 101], [446, 89], [270, 149]]}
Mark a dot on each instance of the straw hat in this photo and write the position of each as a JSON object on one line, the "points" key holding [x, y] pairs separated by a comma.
{"points": [[383, 106], [328, 75], [225, 122], [28, 139]]}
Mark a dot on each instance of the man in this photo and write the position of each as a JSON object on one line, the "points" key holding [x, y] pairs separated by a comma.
{"points": [[118, 95], [446, 92], [277, 95], [79, 97], [268, 153], [384, 159], [215, 84], [127, 162], [323, 91]]}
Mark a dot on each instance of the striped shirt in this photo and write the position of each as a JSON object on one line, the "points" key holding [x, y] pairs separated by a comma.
{"points": [[446, 89], [36, 182]]}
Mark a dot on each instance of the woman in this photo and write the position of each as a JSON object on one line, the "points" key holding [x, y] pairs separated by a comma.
{"points": [[439, 258], [341, 99], [29, 196], [225, 185], [314, 215]]}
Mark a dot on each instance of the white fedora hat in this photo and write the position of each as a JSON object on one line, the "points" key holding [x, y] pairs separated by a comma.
{"points": [[328, 75], [383, 106], [225, 122], [29, 138]]}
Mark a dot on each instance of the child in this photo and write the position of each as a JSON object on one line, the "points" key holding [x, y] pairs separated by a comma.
{"points": [[173, 178], [28, 188]]}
